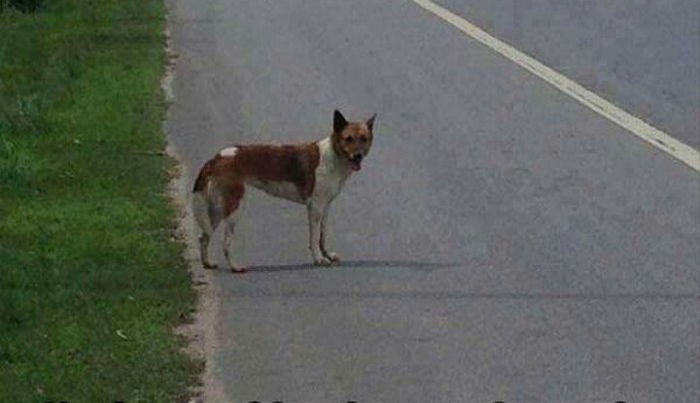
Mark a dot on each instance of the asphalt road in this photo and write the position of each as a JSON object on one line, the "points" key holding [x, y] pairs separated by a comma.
{"points": [[642, 55], [502, 242]]}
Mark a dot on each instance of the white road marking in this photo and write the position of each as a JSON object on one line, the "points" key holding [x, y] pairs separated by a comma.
{"points": [[650, 134]]}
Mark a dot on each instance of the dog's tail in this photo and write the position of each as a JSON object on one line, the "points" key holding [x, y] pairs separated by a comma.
{"points": [[201, 203], [201, 182]]}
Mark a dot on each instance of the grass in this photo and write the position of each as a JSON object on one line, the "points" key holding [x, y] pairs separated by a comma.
{"points": [[92, 280]]}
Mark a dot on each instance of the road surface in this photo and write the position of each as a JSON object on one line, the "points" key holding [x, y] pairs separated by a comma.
{"points": [[502, 241]]}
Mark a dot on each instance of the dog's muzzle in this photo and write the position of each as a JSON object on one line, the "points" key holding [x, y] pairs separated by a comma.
{"points": [[356, 161]]}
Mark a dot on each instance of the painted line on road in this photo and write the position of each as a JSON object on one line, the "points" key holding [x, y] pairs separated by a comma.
{"points": [[645, 131]]}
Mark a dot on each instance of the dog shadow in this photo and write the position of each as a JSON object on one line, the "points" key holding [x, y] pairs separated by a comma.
{"points": [[355, 264]]}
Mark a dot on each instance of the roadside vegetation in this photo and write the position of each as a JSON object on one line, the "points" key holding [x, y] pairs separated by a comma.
{"points": [[92, 279]]}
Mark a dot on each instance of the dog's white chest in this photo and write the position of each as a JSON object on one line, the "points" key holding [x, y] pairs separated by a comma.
{"points": [[331, 173]]}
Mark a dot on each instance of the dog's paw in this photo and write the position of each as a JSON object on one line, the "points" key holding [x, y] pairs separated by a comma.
{"points": [[333, 257], [322, 261], [208, 266]]}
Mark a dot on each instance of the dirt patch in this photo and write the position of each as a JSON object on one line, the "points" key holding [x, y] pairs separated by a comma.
{"points": [[200, 332]]}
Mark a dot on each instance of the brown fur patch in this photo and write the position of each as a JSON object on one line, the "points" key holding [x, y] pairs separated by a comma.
{"points": [[268, 163], [233, 198]]}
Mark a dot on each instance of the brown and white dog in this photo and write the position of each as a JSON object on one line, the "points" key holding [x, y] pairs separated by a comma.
{"points": [[311, 174]]}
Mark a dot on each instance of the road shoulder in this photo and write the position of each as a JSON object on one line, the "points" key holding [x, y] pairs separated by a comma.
{"points": [[200, 331]]}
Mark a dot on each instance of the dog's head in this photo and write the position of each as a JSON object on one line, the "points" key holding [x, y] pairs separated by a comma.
{"points": [[352, 140]]}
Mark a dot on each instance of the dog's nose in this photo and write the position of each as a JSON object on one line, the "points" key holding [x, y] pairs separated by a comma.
{"points": [[356, 158]]}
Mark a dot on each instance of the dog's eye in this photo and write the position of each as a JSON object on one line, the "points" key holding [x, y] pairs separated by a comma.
{"points": [[363, 139]]}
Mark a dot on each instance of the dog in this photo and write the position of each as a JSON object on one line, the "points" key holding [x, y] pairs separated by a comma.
{"points": [[309, 173]]}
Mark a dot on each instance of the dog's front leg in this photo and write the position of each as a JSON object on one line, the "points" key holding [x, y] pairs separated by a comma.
{"points": [[324, 220], [315, 219]]}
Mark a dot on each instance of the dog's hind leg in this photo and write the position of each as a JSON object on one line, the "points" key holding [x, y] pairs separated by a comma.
{"points": [[233, 197]]}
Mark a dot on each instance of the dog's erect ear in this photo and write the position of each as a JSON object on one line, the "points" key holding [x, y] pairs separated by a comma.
{"points": [[370, 122], [339, 121]]}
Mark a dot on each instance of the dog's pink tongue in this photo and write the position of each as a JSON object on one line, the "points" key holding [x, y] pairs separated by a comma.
{"points": [[355, 165]]}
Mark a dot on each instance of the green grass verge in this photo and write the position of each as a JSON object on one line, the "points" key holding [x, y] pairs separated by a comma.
{"points": [[92, 281]]}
